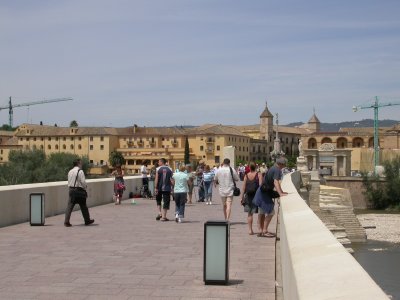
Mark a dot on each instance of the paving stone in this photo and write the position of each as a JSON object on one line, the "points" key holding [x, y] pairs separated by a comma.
{"points": [[127, 254]]}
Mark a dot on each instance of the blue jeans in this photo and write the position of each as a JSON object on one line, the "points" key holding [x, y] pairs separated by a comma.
{"points": [[180, 201], [208, 190]]}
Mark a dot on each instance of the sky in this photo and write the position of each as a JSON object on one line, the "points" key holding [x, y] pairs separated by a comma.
{"points": [[194, 62]]}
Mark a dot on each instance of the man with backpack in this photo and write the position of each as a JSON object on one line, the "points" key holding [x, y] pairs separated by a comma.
{"points": [[264, 197]]}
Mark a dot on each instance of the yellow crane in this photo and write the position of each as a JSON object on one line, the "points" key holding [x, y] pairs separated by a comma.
{"points": [[10, 106]]}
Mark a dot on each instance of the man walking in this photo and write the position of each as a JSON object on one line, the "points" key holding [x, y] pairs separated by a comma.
{"points": [[224, 178], [163, 188], [77, 193], [264, 200]]}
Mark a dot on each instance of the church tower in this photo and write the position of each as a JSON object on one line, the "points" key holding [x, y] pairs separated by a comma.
{"points": [[314, 124], [266, 124]]}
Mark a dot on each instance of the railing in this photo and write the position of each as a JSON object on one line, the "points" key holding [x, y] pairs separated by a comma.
{"points": [[314, 264], [14, 199]]}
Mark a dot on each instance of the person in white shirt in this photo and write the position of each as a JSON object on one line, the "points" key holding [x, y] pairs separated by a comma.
{"points": [[143, 171], [224, 179], [77, 181]]}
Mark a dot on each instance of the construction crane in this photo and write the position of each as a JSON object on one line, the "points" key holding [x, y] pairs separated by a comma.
{"points": [[376, 107], [10, 106]]}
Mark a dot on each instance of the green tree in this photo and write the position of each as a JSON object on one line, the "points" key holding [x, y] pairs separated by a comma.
{"points": [[33, 167], [187, 153], [384, 193], [73, 123], [116, 158]]}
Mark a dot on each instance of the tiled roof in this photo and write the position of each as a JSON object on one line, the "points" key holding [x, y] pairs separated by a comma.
{"points": [[314, 119], [11, 142], [46, 130], [216, 129], [6, 133], [266, 113]]}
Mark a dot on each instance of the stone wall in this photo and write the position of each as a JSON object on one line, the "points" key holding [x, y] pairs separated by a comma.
{"points": [[354, 185], [314, 264], [14, 199]]}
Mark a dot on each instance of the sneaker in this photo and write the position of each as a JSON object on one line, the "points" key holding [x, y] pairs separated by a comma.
{"points": [[176, 217], [180, 220], [158, 217], [210, 203]]}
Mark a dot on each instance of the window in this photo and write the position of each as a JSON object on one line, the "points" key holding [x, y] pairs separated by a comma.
{"points": [[64, 138], [102, 162], [27, 139], [91, 147], [49, 138], [49, 147], [71, 147], [218, 148], [72, 138], [217, 159], [201, 148], [64, 147], [79, 146], [79, 138], [34, 139], [41, 147], [101, 147], [102, 138], [56, 147], [56, 138], [91, 139]]}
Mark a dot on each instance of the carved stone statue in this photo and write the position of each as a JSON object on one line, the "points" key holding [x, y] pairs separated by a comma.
{"points": [[301, 152]]}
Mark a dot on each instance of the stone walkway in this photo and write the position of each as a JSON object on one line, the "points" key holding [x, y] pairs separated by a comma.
{"points": [[127, 254]]}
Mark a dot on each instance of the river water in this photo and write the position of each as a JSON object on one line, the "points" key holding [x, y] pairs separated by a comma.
{"points": [[382, 262]]}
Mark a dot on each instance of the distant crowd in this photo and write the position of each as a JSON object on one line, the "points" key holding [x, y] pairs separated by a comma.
{"points": [[261, 186]]}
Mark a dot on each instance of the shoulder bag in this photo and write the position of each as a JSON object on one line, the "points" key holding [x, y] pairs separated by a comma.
{"points": [[236, 190], [78, 192]]}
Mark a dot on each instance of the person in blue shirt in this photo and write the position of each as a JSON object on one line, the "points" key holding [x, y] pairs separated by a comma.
{"points": [[208, 177], [180, 181]]}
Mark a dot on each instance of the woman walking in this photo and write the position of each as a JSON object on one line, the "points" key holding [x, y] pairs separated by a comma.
{"points": [[119, 183], [252, 181], [208, 177], [180, 182]]}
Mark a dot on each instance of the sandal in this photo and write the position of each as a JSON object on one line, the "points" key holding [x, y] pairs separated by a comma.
{"points": [[164, 220], [269, 234]]}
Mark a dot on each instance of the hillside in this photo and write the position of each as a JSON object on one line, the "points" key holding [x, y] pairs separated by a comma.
{"points": [[363, 123]]}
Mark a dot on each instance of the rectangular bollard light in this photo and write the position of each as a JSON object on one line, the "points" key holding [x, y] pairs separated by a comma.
{"points": [[216, 252], [36, 207]]}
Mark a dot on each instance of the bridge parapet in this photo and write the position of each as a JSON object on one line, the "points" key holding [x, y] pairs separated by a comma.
{"points": [[314, 264], [14, 199]]}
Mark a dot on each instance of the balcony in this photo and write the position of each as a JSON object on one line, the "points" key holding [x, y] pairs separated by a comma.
{"points": [[210, 141], [209, 150]]}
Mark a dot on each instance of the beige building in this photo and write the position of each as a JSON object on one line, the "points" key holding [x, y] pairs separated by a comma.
{"points": [[206, 142]]}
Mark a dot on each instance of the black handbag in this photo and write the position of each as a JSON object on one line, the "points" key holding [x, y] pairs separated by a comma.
{"points": [[236, 190], [78, 192]]}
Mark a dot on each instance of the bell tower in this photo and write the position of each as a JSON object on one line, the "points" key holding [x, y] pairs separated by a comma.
{"points": [[266, 124], [314, 124]]}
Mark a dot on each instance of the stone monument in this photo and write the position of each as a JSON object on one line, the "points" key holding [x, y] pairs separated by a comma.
{"points": [[301, 160]]}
